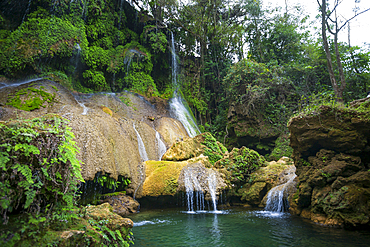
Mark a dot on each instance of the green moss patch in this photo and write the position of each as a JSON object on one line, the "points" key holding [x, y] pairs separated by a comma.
{"points": [[30, 98], [161, 177]]}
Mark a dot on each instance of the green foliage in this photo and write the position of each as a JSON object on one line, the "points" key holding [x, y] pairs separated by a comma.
{"points": [[110, 237], [142, 83], [95, 80], [158, 41], [30, 98], [214, 150], [281, 148], [39, 38], [241, 163], [311, 105], [39, 165], [111, 183]]}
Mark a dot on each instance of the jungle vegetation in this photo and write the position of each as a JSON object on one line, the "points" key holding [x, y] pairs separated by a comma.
{"points": [[230, 53]]}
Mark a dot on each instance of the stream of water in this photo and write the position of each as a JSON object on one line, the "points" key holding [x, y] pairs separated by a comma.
{"points": [[237, 227]]}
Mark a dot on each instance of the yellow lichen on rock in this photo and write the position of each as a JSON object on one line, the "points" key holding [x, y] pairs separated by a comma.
{"points": [[161, 177]]}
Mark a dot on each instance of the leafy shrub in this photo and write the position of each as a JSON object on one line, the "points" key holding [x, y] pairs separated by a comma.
{"points": [[241, 163], [214, 150], [95, 80], [38, 165]]}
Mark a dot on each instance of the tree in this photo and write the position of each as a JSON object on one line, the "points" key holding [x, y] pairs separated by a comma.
{"points": [[331, 24]]}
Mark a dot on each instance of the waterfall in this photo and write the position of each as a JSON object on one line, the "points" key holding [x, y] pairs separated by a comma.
{"points": [[178, 109], [128, 58], [212, 184], [192, 186], [200, 184], [75, 59], [140, 143], [144, 157], [160, 144], [277, 198]]}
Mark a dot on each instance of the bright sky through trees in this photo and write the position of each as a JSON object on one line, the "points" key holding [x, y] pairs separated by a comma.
{"points": [[360, 26]]}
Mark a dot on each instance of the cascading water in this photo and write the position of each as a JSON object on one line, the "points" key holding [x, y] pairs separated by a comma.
{"points": [[178, 109], [192, 186], [4, 85], [144, 157], [212, 184], [85, 109], [277, 198], [128, 58], [200, 184], [76, 57], [141, 146], [160, 145]]}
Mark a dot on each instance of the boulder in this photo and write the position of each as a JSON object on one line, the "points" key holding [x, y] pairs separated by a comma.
{"points": [[189, 148], [122, 204]]}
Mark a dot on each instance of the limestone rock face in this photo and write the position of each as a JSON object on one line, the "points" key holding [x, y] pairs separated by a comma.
{"points": [[103, 125], [166, 177], [171, 130], [251, 131], [332, 155]]}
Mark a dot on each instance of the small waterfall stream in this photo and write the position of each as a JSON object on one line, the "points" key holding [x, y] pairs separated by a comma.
{"points": [[85, 109], [192, 186], [277, 197], [178, 109], [160, 145], [200, 184], [144, 157], [141, 146], [212, 184]]}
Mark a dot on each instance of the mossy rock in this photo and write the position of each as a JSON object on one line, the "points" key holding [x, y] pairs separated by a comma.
{"points": [[240, 163], [204, 144], [31, 98], [162, 177]]}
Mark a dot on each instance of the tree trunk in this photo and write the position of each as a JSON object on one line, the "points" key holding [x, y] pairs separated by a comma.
{"points": [[327, 51], [340, 68]]}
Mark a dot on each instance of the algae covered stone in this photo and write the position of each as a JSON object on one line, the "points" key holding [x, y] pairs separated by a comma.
{"points": [[189, 148], [161, 177]]}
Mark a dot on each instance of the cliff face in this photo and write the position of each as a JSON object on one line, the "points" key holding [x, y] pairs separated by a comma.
{"points": [[332, 156], [104, 124]]}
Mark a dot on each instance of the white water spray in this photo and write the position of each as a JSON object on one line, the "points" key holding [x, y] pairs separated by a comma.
{"points": [[141, 146], [192, 186], [5, 85], [277, 197], [85, 109], [160, 145], [144, 157], [212, 184]]}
